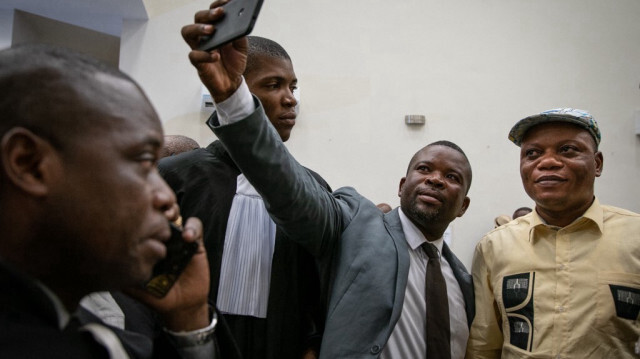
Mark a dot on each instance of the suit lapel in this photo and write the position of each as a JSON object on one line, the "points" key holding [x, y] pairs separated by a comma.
{"points": [[394, 228]]}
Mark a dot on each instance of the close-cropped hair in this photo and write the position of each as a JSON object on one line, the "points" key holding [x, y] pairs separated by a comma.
{"points": [[260, 46], [523, 209], [446, 144], [450, 145], [37, 84]]}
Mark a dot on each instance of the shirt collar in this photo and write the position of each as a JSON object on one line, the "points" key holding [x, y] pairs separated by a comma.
{"points": [[594, 214], [414, 237]]}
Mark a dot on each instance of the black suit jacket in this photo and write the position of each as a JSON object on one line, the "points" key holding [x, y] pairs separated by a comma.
{"points": [[204, 181], [143, 336], [29, 326], [29, 323]]}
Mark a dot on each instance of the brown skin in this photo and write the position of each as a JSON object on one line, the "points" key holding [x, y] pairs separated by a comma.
{"points": [[274, 84], [558, 166], [108, 191], [221, 77], [434, 191], [221, 72], [384, 207], [177, 144], [93, 215]]}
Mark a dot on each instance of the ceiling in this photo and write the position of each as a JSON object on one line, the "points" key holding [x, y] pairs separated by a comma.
{"points": [[100, 15]]}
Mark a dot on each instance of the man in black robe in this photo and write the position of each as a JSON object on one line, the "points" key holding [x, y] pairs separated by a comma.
{"points": [[266, 286]]}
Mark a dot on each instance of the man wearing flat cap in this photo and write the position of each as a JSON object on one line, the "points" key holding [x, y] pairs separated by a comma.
{"points": [[564, 280]]}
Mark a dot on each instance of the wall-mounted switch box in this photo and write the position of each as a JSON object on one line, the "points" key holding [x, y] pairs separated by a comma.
{"points": [[206, 101], [415, 119]]}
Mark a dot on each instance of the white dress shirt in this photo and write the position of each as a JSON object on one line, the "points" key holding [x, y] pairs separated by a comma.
{"points": [[103, 335], [407, 339]]}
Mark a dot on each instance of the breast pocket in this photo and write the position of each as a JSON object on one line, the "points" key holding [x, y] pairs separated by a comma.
{"points": [[619, 305]]}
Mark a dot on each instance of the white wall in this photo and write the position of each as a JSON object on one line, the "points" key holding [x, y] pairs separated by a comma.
{"points": [[472, 67], [6, 28], [29, 28]]}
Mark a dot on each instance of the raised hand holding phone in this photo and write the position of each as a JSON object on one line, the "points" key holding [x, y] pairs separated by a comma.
{"points": [[239, 18], [220, 69]]}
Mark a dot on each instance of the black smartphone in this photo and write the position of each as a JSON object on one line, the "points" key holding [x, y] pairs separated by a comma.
{"points": [[239, 18], [168, 269]]}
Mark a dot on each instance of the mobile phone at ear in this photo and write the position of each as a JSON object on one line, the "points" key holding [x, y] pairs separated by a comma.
{"points": [[239, 18], [168, 269]]}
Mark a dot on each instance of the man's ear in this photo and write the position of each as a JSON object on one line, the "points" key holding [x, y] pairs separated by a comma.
{"points": [[402, 180], [465, 205], [599, 163], [28, 161]]}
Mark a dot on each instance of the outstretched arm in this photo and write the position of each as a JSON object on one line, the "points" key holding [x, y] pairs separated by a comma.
{"points": [[296, 202]]}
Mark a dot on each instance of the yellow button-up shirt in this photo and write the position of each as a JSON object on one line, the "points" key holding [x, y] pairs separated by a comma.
{"points": [[549, 292]]}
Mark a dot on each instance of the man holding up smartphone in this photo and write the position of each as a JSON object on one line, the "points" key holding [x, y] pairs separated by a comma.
{"points": [[83, 209], [373, 263]]}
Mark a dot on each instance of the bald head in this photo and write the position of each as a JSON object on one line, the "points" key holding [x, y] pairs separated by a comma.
{"points": [[177, 144]]}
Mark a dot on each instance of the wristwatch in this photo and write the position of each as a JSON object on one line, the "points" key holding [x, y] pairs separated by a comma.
{"points": [[195, 337]]}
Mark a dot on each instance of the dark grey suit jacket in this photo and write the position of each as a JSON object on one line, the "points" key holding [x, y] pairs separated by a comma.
{"points": [[362, 252]]}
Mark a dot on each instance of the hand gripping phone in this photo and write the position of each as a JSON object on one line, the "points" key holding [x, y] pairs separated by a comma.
{"points": [[239, 18], [168, 269]]}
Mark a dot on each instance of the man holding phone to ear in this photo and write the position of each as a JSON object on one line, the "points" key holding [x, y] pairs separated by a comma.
{"points": [[264, 283], [83, 209]]}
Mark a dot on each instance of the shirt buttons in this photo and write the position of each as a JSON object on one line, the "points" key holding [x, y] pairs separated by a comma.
{"points": [[375, 349], [560, 309], [562, 267]]}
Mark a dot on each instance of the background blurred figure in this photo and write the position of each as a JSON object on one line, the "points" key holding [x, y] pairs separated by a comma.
{"points": [[177, 144], [384, 207], [500, 220]]}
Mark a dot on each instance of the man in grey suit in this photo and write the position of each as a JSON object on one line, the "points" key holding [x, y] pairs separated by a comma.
{"points": [[372, 263]]}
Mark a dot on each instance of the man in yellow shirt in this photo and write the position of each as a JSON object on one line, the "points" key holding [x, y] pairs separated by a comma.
{"points": [[564, 280]]}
